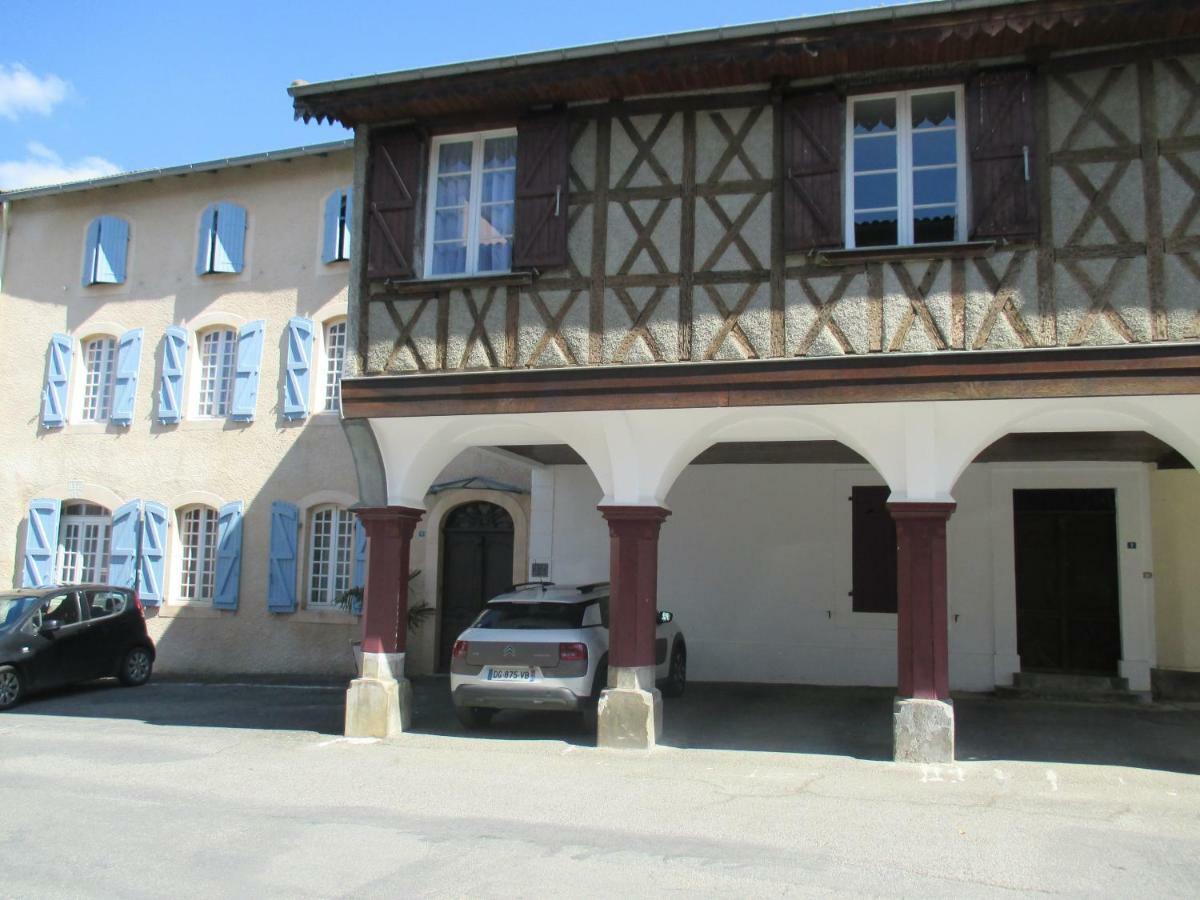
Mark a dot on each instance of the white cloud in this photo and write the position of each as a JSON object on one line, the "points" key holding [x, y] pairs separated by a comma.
{"points": [[23, 92], [43, 166]]}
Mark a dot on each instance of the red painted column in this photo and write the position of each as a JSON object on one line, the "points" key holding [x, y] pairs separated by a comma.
{"points": [[385, 598], [922, 621], [633, 571]]}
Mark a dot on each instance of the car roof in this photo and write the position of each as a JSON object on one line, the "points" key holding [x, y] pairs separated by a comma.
{"points": [[47, 590], [548, 592]]}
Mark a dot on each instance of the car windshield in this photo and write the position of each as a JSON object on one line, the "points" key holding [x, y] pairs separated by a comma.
{"points": [[13, 608], [531, 615]]}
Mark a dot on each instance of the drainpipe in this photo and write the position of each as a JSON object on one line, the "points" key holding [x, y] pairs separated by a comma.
{"points": [[5, 224]]}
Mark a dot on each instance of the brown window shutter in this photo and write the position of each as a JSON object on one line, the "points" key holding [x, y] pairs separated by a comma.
{"points": [[541, 207], [873, 548], [814, 127], [1000, 139], [392, 203]]}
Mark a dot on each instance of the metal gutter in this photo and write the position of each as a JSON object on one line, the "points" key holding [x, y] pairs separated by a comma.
{"points": [[214, 165], [5, 225], [872, 16]]}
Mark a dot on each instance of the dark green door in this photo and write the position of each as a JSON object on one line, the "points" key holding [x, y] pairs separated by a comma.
{"points": [[477, 564], [1068, 602]]}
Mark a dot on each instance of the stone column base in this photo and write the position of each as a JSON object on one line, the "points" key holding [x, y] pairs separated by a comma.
{"points": [[379, 704], [630, 713], [923, 731]]}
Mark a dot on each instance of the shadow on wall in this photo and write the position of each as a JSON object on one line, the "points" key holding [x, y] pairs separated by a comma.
{"points": [[253, 640]]}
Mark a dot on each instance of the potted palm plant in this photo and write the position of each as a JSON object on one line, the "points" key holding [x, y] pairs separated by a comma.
{"points": [[351, 601]]}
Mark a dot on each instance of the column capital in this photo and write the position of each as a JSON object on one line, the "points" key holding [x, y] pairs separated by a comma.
{"points": [[922, 509], [391, 521], [629, 517]]}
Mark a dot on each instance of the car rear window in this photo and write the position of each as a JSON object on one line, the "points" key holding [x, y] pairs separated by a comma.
{"points": [[531, 615]]}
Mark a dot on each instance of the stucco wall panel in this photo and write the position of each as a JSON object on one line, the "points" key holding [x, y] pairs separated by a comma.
{"points": [[1175, 511]]}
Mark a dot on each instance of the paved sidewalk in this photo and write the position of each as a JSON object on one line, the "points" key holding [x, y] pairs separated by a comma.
{"points": [[237, 791]]}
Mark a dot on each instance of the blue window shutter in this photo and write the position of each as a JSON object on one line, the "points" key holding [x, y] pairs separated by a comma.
{"points": [[349, 220], [58, 372], [114, 241], [208, 220], [91, 249], [245, 375], [41, 543], [129, 359], [170, 392], [333, 225], [231, 238], [299, 365], [281, 578], [152, 553], [123, 547], [360, 554], [229, 556]]}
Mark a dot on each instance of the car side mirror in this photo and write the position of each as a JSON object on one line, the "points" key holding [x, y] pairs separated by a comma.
{"points": [[665, 618], [49, 626]]}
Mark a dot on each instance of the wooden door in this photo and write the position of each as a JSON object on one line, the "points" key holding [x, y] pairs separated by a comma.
{"points": [[1068, 602], [477, 564]]}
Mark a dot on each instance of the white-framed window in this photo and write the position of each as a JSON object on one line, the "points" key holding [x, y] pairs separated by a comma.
{"points": [[472, 190], [330, 553], [905, 172], [335, 356], [197, 529], [99, 368], [218, 349], [83, 544]]}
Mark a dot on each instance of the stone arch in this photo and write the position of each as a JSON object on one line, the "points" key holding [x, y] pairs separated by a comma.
{"points": [[440, 511], [1173, 420]]}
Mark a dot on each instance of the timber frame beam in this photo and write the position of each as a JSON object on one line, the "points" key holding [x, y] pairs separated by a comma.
{"points": [[985, 375]]}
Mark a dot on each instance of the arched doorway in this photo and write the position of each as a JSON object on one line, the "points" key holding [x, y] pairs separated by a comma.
{"points": [[477, 564]]}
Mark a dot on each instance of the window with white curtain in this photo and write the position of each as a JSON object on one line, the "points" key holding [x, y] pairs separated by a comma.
{"points": [[473, 180], [330, 553], [905, 178], [83, 539], [218, 348], [99, 367], [335, 355], [197, 526]]}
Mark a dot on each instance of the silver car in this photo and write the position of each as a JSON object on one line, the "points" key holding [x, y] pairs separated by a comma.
{"points": [[545, 646]]}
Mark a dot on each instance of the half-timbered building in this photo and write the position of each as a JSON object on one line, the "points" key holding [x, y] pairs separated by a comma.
{"points": [[866, 343]]}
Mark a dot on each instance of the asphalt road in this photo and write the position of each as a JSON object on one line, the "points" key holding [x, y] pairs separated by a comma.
{"points": [[214, 791]]}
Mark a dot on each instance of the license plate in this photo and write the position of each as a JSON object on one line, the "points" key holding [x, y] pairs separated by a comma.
{"points": [[495, 674]]}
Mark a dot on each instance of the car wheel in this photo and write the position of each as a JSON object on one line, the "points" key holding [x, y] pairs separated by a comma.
{"points": [[136, 667], [10, 687], [677, 674], [475, 716]]}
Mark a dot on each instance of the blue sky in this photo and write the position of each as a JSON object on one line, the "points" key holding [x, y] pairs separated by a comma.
{"points": [[88, 88]]}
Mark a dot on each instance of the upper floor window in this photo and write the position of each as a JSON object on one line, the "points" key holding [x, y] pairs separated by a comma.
{"points": [[905, 178], [198, 552], [335, 356], [218, 349], [105, 251], [336, 242], [99, 361], [222, 240], [330, 554], [469, 229]]}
